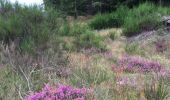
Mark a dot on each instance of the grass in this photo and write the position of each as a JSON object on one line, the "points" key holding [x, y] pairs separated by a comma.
{"points": [[73, 54], [89, 40], [157, 93], [89, 77], [11, 84], [134, 49], [113, 35]]}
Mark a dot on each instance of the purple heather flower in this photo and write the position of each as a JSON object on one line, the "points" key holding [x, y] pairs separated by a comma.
{"points": [[138, 64], [61, 92]]}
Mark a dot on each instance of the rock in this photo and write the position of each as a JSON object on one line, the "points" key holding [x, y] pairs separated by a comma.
{"points": [[166, 21]]}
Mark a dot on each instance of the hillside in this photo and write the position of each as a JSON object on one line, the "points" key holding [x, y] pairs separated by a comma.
{"points": [[48, 54]]}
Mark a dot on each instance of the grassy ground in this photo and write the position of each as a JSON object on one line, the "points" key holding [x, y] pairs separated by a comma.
{"points": [[92, 69], [104, 62]]}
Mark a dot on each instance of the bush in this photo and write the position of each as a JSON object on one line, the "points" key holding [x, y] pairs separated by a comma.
{"points": [[73, 29], [80, 36], [141, 18], [22, 23], [89, 40], [32, 27], [114, 19], [164, 10], [144, 17], [78, 29]]}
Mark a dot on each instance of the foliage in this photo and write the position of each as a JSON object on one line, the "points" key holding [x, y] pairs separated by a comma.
{"points": [[22, 24], [49, 37], [114, 19], [73, 29], [82, 36], [88, 7], [89, 40], [141, 18], [146, 16]]}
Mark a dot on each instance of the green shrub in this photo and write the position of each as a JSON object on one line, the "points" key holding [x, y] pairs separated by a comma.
{"points": [[19, 22], [28, 45], [64, 29], [164, 10], [78, 29], [141, 18], [33, 27], [81, 36], [73, 29], [114, 19], [89, 40], [144, 17]]}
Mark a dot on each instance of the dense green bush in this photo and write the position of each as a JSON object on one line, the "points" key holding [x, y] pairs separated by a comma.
{"points": [[141, 18], [114, 19], [32, 28], [82, 35], [145, 17], [29, 25]]}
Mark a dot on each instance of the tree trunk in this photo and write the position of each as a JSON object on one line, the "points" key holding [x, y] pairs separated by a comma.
{"points": [[160, 2], [75, 9]]}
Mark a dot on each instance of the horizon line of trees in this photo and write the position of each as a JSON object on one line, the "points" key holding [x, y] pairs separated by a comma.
{"points": [[91, 7]]}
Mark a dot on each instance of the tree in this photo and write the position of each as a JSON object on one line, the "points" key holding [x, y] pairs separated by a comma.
{"points": [[85, 7]]}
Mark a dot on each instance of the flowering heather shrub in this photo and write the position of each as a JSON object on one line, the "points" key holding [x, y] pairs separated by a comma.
{"points": [[61, 92], [138, 64]]}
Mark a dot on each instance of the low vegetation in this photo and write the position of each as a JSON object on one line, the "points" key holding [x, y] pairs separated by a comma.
{"points": [[46, 54], [144, 17], [114, 19]]}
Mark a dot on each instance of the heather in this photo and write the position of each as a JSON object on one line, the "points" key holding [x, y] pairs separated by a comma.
{"points": [[138, 64], [85, 50], [61, 92]]}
